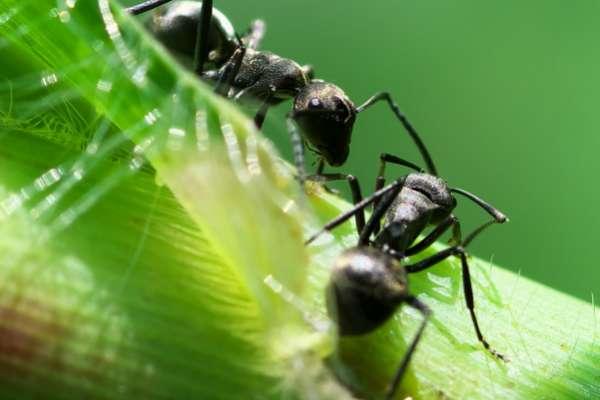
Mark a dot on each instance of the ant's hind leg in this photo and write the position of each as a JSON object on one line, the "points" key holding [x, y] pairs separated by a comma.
{"points": [[450, 221], [426, 313], [145, 6], [468, 289], [459, 251]]}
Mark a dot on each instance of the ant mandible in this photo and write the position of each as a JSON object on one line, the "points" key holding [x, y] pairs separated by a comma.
{"points": [[322, 116], [369, 281]]}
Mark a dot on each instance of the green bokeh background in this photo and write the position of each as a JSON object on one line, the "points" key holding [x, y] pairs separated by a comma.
{"points": [[504, 93]]}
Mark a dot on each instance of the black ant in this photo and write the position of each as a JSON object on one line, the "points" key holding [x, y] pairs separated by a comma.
{"points": [[369, 281], [324, 114]]}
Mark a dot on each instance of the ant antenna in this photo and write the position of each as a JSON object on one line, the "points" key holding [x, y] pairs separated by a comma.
{"points": [[494, 212]]}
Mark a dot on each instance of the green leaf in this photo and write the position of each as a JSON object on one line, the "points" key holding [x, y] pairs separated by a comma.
{"points": [[187, 278]]}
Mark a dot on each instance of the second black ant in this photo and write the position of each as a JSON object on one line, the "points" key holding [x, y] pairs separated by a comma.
{"points": [[322, 117], [369, 282]]}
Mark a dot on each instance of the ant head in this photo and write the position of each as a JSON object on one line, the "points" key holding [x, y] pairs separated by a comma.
{"points": [[326, 116], [366, 287], [436, 190]]}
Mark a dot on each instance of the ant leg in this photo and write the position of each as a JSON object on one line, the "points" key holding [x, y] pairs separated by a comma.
{"points": [[456, 234], [253, 38], [426, 313], [354, 188], [450, 221], [321, 167], [407, 125], [202, 30], [298, 149], [260, 116], [393, 189], [229, 71], [379, 183], [374, 221], [380, 180], [450, 251], [212, 76], [319, 171], [390, 158], [468, 289], [145, 6], [493, 211], [466, 278]]}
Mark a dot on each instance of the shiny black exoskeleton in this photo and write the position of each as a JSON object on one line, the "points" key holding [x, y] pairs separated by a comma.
{"points": [[175, 27], [369, 281], [324, 114], [199, 37]]}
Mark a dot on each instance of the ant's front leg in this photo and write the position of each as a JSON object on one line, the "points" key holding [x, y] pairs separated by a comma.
{"points": [[388, 192], [319, 172], [385, 96], [354, 189]]}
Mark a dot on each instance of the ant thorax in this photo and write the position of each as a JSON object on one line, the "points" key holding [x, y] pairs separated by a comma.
{"points": [[425, 199], [264, 75]]}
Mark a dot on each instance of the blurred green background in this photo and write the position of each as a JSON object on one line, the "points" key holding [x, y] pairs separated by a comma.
{"points": [[505, 95]]}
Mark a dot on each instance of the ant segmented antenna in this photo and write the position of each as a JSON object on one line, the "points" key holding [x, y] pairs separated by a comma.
{"points": [[494, 212]]}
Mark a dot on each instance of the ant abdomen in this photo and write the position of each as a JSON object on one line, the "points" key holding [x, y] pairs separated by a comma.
{"points": [[175, 26], [365, 289]]}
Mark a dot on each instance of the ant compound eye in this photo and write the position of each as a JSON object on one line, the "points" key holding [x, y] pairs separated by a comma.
{"points": [[315, 103]]}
